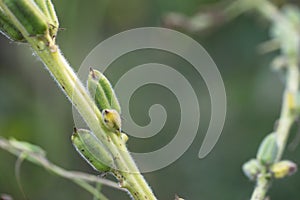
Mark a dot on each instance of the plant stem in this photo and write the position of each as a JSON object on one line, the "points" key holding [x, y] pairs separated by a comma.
{"points": [[79, 178], [287, 117], [261, 188], [91, 189]]}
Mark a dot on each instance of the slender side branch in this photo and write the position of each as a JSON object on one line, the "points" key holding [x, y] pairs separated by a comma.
{"points": [[80, 178]]}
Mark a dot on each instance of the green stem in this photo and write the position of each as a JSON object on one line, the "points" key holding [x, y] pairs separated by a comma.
{"points": [[42, 161], [98, 188], [91, 189], [261, 188], [287, 117]]}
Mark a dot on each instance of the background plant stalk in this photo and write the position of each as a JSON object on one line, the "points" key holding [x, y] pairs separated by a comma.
{"points": [[288, 114]]}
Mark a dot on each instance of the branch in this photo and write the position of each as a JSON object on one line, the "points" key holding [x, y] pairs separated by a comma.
{"points": [[27, 152]]}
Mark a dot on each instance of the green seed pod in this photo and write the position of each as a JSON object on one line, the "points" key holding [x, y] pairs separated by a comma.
{"points": [[96, 91], [92, 150], [283, 169], [52, 13], [54, 24], [9, 30], [110, 95], [252, 169], [112, 120], [47, 9], [43, 7], [28, 15], [268, 150]]}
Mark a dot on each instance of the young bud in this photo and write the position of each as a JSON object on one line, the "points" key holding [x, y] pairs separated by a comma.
{"points": [[283, 169], [124, 137], [112, 120], [92, 150], [252, 168], [268, 150]]}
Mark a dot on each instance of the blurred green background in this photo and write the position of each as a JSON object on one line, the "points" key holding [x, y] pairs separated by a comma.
{"points": [[32, 108]]}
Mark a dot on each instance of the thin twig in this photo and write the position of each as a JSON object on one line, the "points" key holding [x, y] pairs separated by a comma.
{"points": [[44, 162]]}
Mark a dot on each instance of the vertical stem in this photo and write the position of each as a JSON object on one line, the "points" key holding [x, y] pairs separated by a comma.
{"points": [[287, 117], [261, 188]]}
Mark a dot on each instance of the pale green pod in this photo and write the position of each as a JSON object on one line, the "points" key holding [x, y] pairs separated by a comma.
{"points": [[92, 150], [96, 91], [252, 169], [9, 30], [52, 13], [268, 149], [54, 24], [124, 137], [28, 15], [108, 91], [43, 7], [47, 9]]}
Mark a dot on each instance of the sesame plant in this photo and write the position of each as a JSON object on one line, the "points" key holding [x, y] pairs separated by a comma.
{"points": [[103, 146], [284, 22]]}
